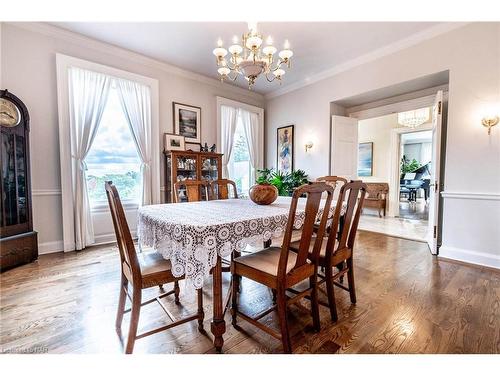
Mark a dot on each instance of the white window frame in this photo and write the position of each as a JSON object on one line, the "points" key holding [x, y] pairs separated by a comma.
{"points": [[63, 63], [251, 108]]}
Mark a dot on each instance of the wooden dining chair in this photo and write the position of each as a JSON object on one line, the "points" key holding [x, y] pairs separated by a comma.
{"points": [[144, 271], [333, 181], [193, 190], [279, 269], [336, 182], [220, 189], [336, 254]]}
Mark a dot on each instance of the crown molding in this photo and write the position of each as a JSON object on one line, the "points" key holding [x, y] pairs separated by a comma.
{"points": [[103, 47], [390, 49]]}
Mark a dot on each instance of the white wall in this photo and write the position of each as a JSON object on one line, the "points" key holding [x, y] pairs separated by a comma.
{"points": [[28, 69], [378, 130], [472, 56]]}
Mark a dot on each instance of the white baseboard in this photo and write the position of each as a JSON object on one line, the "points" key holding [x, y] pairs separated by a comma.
{"points": [[103, 239], [50, 247], [58, 246], [469, 256]]}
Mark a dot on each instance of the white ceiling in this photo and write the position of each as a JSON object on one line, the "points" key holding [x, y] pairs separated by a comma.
{"points": [[317, 47]]}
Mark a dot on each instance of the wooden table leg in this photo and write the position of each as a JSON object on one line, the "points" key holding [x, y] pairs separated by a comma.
{"points": [[218, 326]]}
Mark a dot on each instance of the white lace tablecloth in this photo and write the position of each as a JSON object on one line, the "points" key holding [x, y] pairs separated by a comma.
{"points": [[192, 234]]}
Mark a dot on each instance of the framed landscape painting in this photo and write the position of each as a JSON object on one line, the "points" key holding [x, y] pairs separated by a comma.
{"points": [[187, 122], [365, 159], [285, 148], [173, 142]]}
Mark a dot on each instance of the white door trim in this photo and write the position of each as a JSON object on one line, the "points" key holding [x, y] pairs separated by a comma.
{"points": [[394, 177]]}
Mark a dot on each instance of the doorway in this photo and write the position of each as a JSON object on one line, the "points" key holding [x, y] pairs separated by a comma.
{"points": [[400, 161]]}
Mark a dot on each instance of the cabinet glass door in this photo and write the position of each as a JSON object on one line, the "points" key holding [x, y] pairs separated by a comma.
{"points": [[209, 168], [186, 170]]}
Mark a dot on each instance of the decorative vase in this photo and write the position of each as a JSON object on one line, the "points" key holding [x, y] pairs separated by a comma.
{"points": [[263, 194]]}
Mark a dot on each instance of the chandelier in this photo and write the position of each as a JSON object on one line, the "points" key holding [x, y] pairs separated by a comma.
{"points": [[251, 58], [412, 119]]}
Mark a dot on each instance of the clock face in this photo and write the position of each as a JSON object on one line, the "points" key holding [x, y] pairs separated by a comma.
{"points": [[9, 114]]}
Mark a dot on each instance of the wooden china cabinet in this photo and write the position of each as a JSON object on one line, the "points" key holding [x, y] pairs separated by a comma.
{"points": [[18, 240], [190, 165]]}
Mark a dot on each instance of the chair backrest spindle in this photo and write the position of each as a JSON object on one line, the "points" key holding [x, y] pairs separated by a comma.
{"points": [[353, 194], [314, 194]]}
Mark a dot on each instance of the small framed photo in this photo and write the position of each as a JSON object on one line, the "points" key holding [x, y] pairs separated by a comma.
{"points": [[187, 121], [174, 142]]}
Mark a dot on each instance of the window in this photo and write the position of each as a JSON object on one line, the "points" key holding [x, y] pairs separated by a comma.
{"points": [[113, 157], [240, 169]]}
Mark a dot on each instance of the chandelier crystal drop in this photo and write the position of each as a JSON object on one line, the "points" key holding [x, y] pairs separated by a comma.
{"points": [[413, 119], [251, 58]]}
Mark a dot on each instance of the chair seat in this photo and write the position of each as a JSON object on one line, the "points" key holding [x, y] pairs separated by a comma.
{"points": [[155, 269], [262, 266], [337, 256]]}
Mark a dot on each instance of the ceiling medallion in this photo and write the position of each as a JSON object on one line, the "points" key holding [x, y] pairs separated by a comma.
{"points": [[251, 58]]}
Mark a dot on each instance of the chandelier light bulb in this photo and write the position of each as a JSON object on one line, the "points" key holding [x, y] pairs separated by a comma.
{"points": [[220, 52], [286, 54], [219, 42], [254, 42], [235, 39], [269, 40], [279, 72], [223, 71], [235, 49], [269, 50], [286, 45]]}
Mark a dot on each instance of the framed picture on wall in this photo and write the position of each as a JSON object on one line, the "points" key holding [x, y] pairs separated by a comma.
{"points": [[174, 142], [187, 121], [285, 148], [365, 159]]}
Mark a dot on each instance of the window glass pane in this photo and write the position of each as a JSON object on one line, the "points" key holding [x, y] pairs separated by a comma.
{"points": [[113, 157], [239, 164]]}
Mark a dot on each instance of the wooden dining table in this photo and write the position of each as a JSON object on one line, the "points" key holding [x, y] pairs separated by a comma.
{"points": [[196, 236]]}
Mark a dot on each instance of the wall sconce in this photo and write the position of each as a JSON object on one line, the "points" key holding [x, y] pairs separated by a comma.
{"points": [[309, 145], [489, 122]]}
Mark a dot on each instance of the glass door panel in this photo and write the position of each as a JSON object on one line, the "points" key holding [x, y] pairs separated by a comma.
{"points": [[186, 170]]}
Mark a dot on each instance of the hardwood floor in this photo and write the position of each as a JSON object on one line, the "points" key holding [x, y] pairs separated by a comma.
{"points": [[408, 302], [418, 210]]}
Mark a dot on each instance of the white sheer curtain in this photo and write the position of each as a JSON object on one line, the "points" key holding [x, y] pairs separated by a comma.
{"points": [[135, 99], [88, 93], [228, 116], [250, 122]]}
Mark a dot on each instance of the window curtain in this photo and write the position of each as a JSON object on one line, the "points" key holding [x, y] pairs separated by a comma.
{"points": [[228, 128], [135, 100], [250, 122], [88, 93]]}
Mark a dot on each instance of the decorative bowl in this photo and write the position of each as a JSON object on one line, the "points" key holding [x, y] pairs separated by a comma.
{"points": [[263, 194]]}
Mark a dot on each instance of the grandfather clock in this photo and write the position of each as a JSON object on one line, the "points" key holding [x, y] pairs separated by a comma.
{"points": [[18, 241]]}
